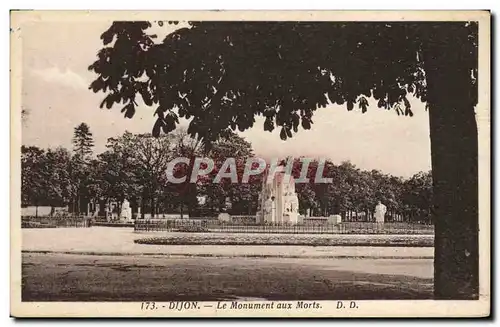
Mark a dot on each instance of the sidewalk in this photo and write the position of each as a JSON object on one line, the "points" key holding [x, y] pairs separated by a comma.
{"points": [[120, 241]]}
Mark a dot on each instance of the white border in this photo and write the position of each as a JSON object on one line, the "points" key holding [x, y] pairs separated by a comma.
{"points": [[478, 4]]}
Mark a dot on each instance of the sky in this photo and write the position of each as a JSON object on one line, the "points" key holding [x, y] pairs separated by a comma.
{"points": [[56, 97]]}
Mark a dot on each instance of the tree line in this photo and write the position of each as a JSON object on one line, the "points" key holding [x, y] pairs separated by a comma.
{"points": [[134, 166]]}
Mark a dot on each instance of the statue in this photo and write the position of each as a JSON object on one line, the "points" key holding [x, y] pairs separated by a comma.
{"points": [[268, 206], [126, 213], [380, 210], [294, 203], [108, 210], [201, 199], [97, 209]]}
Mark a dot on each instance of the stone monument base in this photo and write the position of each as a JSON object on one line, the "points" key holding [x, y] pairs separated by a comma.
{"points": [[335, 219]]}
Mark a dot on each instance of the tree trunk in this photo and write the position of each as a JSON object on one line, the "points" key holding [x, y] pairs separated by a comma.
{"points": [[191, 198], [143, 208], [454, 148], [119, 209], [78, 204], [152, 207]]}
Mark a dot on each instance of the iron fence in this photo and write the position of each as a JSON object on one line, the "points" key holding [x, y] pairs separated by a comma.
{"points": [[55, 222]]}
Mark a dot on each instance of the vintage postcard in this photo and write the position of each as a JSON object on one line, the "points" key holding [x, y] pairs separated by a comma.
{"points": [[250, 164]]}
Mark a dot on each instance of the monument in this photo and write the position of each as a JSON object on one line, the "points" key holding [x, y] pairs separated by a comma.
{"points": [[126, 212], [278, 201], [380, 210]]}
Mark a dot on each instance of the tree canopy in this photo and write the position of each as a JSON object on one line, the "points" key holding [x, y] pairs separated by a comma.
{"points": [[83, 141], [222, 74]]}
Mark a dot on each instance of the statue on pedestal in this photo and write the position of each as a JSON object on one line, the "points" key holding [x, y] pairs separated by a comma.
{"points": [[108, 211], [380, 210], [126, 213], [268, 209]]}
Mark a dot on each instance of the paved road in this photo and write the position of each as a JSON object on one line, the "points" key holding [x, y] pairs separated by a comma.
{"points": [[71, 277]]}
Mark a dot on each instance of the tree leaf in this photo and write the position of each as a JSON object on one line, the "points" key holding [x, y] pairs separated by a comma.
{"points": [[283, 134], [306, 123], [129, 110], [363, 104], [268, 124], [407, 103], [350, 105], [157, 127], [146, 96]]}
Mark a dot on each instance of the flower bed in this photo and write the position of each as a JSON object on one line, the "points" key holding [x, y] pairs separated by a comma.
{"points": [[289, 239], [215, 226]]}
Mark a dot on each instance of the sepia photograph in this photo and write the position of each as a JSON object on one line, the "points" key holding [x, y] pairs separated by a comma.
{"points": [[250, 164]]}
